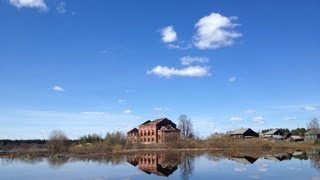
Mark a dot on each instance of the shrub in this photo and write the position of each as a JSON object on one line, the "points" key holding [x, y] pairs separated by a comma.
{"points": [[58, 142]]}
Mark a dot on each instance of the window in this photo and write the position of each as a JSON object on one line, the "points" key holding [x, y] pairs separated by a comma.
{"points": [[152, 139], [152, 132], [148, 139]]}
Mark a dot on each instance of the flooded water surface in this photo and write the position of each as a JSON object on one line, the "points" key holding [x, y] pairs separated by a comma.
{"points": [[297, 165]]}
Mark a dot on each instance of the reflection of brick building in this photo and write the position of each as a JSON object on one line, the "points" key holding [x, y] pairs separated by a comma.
{"points": [[156, 131], [157, 164]]}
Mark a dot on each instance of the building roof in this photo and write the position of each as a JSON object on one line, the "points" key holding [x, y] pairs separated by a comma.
{"points": [[240, 131], [156, 121], [168, 128], [133, 130], [296, 137], [271, 132], [313, 131]]}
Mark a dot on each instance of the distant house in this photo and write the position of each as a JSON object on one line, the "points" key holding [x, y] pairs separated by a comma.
{"points": [[312, 134], [277, 134], [156, 131], [243, 133], [295, 138]]}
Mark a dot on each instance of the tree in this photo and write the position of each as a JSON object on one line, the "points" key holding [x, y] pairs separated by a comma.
{"points": [[298, 131], [186, 127], [313, 124], [58, 142]]}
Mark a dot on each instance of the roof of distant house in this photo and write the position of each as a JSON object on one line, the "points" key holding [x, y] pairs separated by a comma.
{"points": [[271, 132], [240, 131]]}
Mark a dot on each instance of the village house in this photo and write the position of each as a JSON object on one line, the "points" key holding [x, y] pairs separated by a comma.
{"points": [[312, 134], [277, 134], [295, 138], [243, 133], [156, 131]]}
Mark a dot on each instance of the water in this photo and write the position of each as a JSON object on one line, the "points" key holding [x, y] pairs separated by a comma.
{"points": [[298, 165]]}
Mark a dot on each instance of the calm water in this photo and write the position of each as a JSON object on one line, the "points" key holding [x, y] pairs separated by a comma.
{"points": [[298, 165]]}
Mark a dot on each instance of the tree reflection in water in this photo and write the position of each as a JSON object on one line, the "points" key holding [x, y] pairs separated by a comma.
{"points": [[314, 157], [57, 161], [187, 165]]}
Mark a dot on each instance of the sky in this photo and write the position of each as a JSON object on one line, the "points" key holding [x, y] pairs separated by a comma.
{"points": [[103, 66]]}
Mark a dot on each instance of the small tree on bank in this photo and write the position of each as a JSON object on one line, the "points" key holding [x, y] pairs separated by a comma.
{"points": [[58, 142], [186, 127]]}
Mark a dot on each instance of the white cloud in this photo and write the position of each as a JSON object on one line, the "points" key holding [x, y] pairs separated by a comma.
{"points": [[310, 108], [168, 34], [61, 8], [58, 88], [29, 4], [215, 31], [188, 60], [121, 101], [161, 111], [232, 79], [259, 120], [250, 111], [239, 169], [290, 118], [127, 111], [191, 71], [93, 113], [180, 45], [236, 119]]}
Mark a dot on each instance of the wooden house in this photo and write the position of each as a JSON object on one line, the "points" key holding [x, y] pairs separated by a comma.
{"points": [[243, 133]]}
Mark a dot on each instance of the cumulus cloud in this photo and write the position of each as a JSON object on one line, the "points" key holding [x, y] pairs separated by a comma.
{"points": [[58, 88], [215, 31], [40, 4], [191, 71], [232, 79], [93, 113], [188, 60], [250, 111], [127, 111], [259, 120], [236, 119], [61, 8], [168, 34], [310, 108]]}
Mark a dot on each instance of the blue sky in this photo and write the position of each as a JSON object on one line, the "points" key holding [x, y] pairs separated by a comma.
{"points": [[100, 66]]}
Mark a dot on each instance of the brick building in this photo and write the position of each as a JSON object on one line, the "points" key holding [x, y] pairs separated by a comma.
{"points": [[156, 131]]}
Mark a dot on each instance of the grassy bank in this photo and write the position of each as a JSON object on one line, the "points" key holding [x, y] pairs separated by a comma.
{"points": [[221, 144]]}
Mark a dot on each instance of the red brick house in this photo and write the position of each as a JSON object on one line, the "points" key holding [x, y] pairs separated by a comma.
{"points": [[156, 131]]}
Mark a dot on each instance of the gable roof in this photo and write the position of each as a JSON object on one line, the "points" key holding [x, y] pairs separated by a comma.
{"points": [[313, 131], [156, 121], [240, 131], [271, 132], [133, 130]]}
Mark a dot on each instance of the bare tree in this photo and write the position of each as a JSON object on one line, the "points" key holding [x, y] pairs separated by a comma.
{"points": [[313, 124], [186, 127], [58, 142]]}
